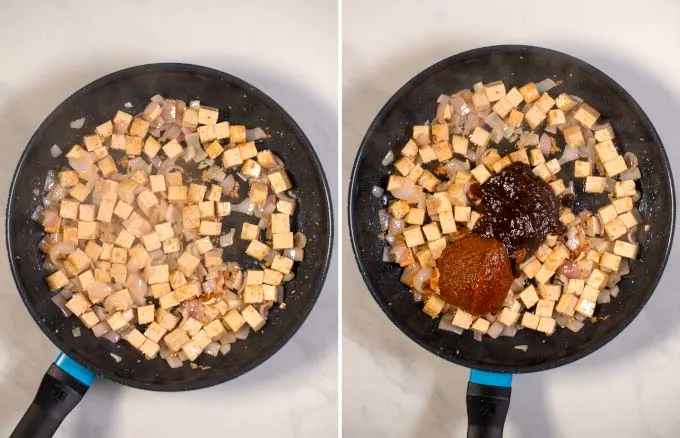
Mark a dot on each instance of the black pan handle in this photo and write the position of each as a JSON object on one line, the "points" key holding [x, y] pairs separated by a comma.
{"points": [[61, 389], [488, 400]]}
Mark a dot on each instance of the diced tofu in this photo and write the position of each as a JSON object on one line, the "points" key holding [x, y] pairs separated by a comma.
{"points": [[427, 154], [515, 118], [234, 320], [582, 169], [191, 326], [508, 317], [177, 194], [585, 307], [232, 157], [529, 296], [105, 129], [155, 332], [462, 214], [573, 136], [530, 320], [187, 263], [550, 292], [425, 258], [531, 267], [536, 157], [534, 116], [145, 314], [615, 166], [597, 279], [615, 229], [57, 280], [607, 213], [544, 274], [440, 132], [495, 91], [272, 277], [207, 115], [625, 249], [459, 144], [87, 230], [282, 240], [545, 103], [68, 209], [606, 151], [212, 258], [214, 194], [399, 208], [78, 304], [567, 304], [586, 115], [281, 223], [410, 150], [253, 294], [125, 239], [264, 158], [546, 325], [93, 250], [133, 145], [553, 166], [203, 245], [413, 236], [253, 169], [520, 156], [150, 349], [89, 319], [258, 193], [173, 179], [529, 92], [158, 274], [447, 222], [595, 184], [623, 205], [431, 231], [503, 107], [68, 178], [501, 164], [257, 250], [210, 228], [253, 318], [250, 231], [428, 181], [610, 261], [462, 319], [542, 172], [279, 181], [166, 319], [556, 117], [557, 186], [624, 188], [224, 208], [480, 173], [237, 133], [176, 339], [77, 262], [282, 264], [79, 192], [214, 330], [565, 102], [415, 216], [480, 102], [480, 137], [437, 247], [135, 338], [575, 286], [544, 308], [171, 245], [442, 150], [206, 210], [481, 325]]}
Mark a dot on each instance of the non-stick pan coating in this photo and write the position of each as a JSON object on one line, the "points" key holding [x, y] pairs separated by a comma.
{"points": [[413, 104], [239, 103]]}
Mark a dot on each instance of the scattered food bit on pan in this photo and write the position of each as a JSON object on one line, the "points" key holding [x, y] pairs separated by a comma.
{"points": [[490, 237], [134, 236]]}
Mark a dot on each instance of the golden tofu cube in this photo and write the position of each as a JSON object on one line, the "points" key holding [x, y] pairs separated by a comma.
{"points": [[214, 149], [57, 280], [428, 181], [172, 149], [410, 150], [214, 330], [177, 194], [272, 277], [573, 136], [416, 173], [567, 304], [529, 92], [222, 130], [254, 276], [157, 183], [607, 213], [628, 219], [625, 249], [442, 202], [550, 292], [433, 306], [287, 207], [279, 181], [440, 132], [147, 202], [89, 319], [556, 117], [575, 286], [78, 304], [427, 154], [87, 212], [447, 222], [79, 192], [623, 205], [150, 349], [546, 325], [514, 97], [139, 127], [421, 134], [481, 325], [119, 272], [462, 214], [87, 230], [250, 231], [615, 166], [404, 165], [158, 274], [534, 116], [206, 210], [508, 317], [480, 102], [232, 157], [503, 107], [544, 274], [501, 164], [171, 245], [145, 314], [68, 209], [494, 91], [237, 133], [597, 279], [258, 193], [282, 240], [585, 307], [190, 118], [116, 321], [606, 151], [459, 144], [164, 231], [530, 320], [624, 188], [266, 159], [160, 289], [544, 308], [426, 258], [121, 121], [133, 145], [253, 318], [280, 223], [176, 338], [206, 133], [155, 331], [413, 236], [605, 133], [595, 184], [480, 173], [515, 118], [70, 235], [531, 267], [191, 326], [586, 115], [187, 263], [207, 115], [253, 294], [615, 229], [536, 157], [543, 172], [125, 239], [77, 262], [119, 255], [68, 178], [520, 156], [257, 250], [582, 169], [93, 250], [282, 264], [610, 261], [105, 129], [166, 319], [212, 258], [196, 193], [480, 137], [565, 102], [415, 216], [529, 296], [437, 247], [557, 186], [431, 231], [545, 103], [118, 142], [252, 168]]}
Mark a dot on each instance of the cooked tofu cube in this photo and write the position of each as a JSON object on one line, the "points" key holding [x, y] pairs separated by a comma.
{"points": [[531, 267], [462, 214], [427, 154], [501, 164], [573, 136], [272, 277], [565, 102], [212, 258], [545, 103], [480, 102], [280, 223], [428, 181], [258, 250], [550, 292], [480, 173], [187, 263], [413, 236], [222, 130], [481, 325], [426, 258], [437, 247], [529, 296], [252, 168], [610, 261], [121, 121], [214, 330], [207, 133], [461, 319], [410, 150], [282, 240], [536, 157], [442, 150], [125, 239], [515, 118], [494, 91], [166, 319], [544, 308], [543, 172], [503, 107], [232, 157], [606, 151], [557, 186], [145, 314], [70, 235], [607, 213], [77, 262], [585, 307], [164, 231], [582, 169], [237, 133], [544, 274], [595, 184], [190, 118], [79, 192], [586, 115], [133, 145], [529, 92], [447, 222], [575, 286], [250, 231], [173, 149], [158, 274], [93, 250], [223, 209], [206, 210], [253, 294], [119, 272], [597, 279], [196, 193], [520, 156], [68, 178], [440, 132], [508, 317], [150, 349], [214, 149], [254, 277], [78, 304], [624, 188], [530, 320], [416, 216], [176, 338], [139, 127], [155, 332], [157, 183], [264, 158], [173, 179], [171, 245], [207, 115], [442, 202], [615, 166], [546, 325], [151, 147], [431, 231], [87, 230], [556, 117], [258, 193], [625, 249], [87, 212], [147, 202], [514, 97], [480, 137], [89, 319], [105, 129], [433, 306], [628, 219], [253, 318], [177, 194], [282, 264], [191, 326], [57, 280], [234, 320], [534, 116], [623, 205], [567, 304], [399, 208], [615, 229], [68, 209], [279, 181]]}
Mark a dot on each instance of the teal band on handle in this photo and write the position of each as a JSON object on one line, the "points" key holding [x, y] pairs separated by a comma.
{"points": [[490, 379], [76, 370]]}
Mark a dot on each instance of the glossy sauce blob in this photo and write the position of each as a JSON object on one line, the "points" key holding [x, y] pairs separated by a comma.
{"points": [[520, 210], [475, 274]]}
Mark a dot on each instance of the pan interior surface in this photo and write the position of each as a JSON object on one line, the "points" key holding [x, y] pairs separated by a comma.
{"points": [[239, 103], [415, 103]]}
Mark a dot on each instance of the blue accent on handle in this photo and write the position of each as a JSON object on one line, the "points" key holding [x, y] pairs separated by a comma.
{"points": [[490, 379], [79, 372]]}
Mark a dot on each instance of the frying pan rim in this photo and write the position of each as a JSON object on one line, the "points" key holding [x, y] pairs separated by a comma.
{"points": [[374, 126], [301, 317]]}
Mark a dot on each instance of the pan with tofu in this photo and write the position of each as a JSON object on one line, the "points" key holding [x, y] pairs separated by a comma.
{"points": [[587, 244], [156, 243]]}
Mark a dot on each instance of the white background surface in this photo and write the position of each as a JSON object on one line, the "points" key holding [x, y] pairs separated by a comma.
{"points": [[288, 49], [393, 388]]}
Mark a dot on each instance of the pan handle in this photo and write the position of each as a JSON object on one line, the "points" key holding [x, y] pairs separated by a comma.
{"points": [[488, 400], [61, 389]]}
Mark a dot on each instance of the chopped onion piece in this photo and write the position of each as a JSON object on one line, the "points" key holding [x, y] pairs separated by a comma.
{"points": [[116, 357], [377, 191], [212, 349], [255, 134], [227, 239], [545, 85], [60, 301], [389, 158], [575, 325], [55, 151], [78, 123], [75, 331], [521, 347]]}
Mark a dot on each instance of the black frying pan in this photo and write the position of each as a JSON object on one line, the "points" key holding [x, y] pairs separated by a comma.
{"points": [[238, 102], [413, 104]]}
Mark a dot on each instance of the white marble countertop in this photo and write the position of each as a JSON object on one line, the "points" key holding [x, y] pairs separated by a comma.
{"points": [[391, 386], [49, 50]]}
